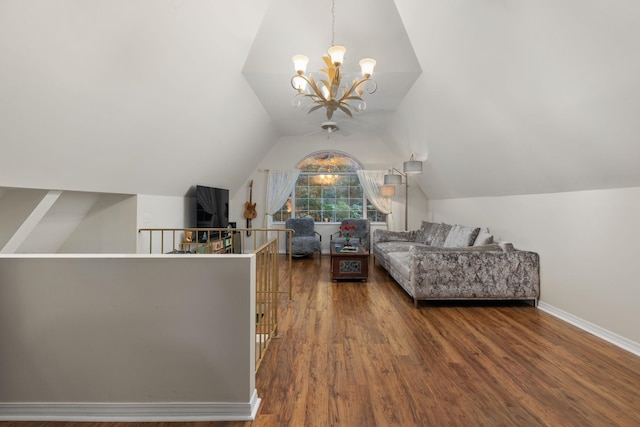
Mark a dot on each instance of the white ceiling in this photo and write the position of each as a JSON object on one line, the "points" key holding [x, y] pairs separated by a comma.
{"points": [[152, 96]]}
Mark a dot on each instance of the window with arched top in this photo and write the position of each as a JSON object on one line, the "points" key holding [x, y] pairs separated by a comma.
{"points": [[328, 190]]}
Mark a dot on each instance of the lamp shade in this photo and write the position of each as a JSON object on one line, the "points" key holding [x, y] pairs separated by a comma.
{"points": [[413, 166], [392, 179], [300, 63], [367, 65], [387, 190], [336, 53]]}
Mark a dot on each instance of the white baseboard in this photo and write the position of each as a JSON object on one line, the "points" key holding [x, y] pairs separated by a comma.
{"points": [[131, 412], [594, 329]]}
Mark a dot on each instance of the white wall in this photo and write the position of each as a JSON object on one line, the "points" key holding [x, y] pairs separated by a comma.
{"points": [[163, 212], [15, 207], [77, 222], [58, 224], [588, 246], [108, 227], [114, 330]]}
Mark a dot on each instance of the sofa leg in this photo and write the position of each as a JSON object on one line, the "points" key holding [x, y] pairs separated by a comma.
{"points": [[415, 303]]}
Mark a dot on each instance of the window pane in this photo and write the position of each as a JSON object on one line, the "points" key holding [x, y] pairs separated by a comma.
{"points": [[314, 192]]}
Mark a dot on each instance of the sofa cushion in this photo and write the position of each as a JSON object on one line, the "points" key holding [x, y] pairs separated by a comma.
{"points": [[461, 236], [425, 233], [440, 232], [400, 262], [384, 248], [484, 238], [506, 246]]}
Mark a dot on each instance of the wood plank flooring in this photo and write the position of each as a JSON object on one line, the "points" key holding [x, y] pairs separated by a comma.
{"points": [[359, 354]]}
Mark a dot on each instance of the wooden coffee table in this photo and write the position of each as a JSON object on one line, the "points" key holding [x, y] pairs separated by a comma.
{"points": [[349, 264]]}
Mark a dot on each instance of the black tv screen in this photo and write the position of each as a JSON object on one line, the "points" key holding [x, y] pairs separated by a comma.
{"points": [[212, 209]]}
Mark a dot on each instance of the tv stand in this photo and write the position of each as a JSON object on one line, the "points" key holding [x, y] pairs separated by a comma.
{"points": [[215, 242]]}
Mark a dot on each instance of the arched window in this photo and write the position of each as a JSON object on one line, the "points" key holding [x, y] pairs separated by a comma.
{"points": [[328, 190]]}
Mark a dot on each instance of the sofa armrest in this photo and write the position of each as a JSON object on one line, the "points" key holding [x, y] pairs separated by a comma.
{"points": [[393, 236], [465, 272]]}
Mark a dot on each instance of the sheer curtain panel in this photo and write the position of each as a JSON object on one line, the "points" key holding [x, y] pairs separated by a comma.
{"points": [[280, 185], [371, 180]]}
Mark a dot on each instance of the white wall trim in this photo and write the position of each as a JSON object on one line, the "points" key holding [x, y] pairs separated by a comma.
{"points": [[594, 329], [131, 412]]}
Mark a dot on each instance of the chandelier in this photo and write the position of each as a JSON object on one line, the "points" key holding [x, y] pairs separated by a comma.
{"points": [[327, 175], [330, 92]]}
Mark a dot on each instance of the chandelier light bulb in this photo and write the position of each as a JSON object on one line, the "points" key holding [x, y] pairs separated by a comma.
{"points": [[336, 53], [300, 63], [367, 65]]}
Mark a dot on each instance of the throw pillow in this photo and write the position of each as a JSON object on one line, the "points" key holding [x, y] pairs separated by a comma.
{"points": [[506, 246], [440, 234], [461, 236], [484, 238], [424, 234]]}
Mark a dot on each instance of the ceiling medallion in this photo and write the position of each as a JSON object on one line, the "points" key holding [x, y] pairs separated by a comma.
{"points": [[329, 91]]}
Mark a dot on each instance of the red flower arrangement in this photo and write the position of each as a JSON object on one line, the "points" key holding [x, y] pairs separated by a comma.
{"points": [[346, 229]]}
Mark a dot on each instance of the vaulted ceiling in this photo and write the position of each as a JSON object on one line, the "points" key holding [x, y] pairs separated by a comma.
{"points": [[498, 96]]}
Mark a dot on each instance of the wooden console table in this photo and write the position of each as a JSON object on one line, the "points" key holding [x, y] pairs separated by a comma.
{"points": [[349, 265]]}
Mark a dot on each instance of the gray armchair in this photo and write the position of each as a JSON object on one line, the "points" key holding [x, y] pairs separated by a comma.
{"points": [[306, 240], [359, 235]]}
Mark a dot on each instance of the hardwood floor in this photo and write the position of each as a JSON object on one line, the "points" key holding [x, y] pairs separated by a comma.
{"points": [[359, 354]]}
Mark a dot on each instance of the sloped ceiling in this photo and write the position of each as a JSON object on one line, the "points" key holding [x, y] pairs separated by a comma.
{"points": [[135, 97], [499, 97], [522, 97]]}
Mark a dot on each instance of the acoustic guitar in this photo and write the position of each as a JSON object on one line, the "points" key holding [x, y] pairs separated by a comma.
{"points": [[250, 208]]}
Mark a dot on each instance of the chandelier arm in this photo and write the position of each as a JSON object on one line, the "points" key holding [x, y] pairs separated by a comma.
{"points": [[366, 82], [353, 86], [298, 76], [296, 101], [316, 90], [313, 99]]}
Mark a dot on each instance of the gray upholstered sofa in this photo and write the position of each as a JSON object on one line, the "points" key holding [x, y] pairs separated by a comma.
{"points": [[443, 261]]}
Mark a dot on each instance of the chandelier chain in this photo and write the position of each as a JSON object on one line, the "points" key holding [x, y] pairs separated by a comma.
{"points": [[333, 22]]}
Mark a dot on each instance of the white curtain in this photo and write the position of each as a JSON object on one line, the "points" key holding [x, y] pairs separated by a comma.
{"points": [[371, 180], [280, 184]]}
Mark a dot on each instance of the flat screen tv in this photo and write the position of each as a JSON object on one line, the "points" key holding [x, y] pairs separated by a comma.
{"points": [[212, 208]]}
